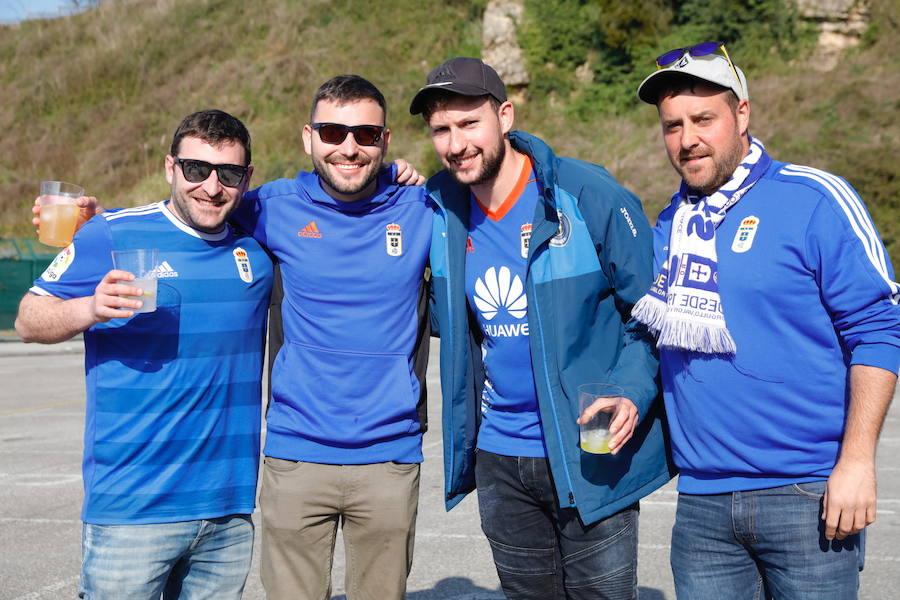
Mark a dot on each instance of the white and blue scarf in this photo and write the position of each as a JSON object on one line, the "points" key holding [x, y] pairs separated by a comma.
{"points": [[683, 308]]}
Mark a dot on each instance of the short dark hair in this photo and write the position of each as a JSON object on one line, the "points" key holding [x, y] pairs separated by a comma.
{"points": [[215, 127], [344, 89], [438, 99], [678, 83]]}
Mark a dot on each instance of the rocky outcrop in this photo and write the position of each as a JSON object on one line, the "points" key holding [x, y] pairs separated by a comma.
{"points": [[500, 46], [841, 23]]}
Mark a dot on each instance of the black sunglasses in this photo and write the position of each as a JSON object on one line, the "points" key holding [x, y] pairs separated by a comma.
{"points": [[197, 171], [335, 133]]}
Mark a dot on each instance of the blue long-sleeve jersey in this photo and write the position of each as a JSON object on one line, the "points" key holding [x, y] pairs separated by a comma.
{"points": [[807, 291]]}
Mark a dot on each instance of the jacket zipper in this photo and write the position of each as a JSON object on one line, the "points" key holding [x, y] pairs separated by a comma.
{"points": [[537, 312]]}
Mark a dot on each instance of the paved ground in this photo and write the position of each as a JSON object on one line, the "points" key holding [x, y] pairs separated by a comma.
{"points": [[41, 419]]}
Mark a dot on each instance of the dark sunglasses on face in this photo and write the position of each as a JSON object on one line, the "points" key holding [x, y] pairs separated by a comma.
{"points": [[197, 171], [335, 133]]}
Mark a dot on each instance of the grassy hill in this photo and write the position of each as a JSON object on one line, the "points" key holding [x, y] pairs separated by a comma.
{"points": [[94, 98]]}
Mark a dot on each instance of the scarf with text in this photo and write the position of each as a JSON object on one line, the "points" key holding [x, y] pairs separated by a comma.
{"points": [[683, 308]]}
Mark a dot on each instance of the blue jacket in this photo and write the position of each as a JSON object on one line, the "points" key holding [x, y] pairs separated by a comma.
{"points": [[807, 290], [589, 261]]}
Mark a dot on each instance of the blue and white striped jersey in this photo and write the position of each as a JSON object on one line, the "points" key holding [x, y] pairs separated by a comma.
{"points": [[173, 396]]}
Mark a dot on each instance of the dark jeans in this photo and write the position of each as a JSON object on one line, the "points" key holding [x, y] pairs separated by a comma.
{"points": [[544, 552], [761, 543]]}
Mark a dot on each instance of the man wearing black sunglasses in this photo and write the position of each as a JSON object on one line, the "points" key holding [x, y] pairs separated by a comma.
{"points": [[537, 263], [778, 324], [346, 418], [173, 395]]}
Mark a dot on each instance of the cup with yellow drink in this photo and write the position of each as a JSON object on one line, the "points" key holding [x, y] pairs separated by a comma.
{"points": [[594, 434], [59, 213], [142, 264]]}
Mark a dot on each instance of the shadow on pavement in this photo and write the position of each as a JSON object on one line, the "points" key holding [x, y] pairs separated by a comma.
{"points": [[451, 588], [645, 593], [461, 588]]}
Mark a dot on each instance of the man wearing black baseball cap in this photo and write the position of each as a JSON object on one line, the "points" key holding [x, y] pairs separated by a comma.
{"points": [[536, 262]]}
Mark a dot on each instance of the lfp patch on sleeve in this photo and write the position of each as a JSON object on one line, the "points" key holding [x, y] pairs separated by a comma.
{"points": [[743, 238], [394, 240], [242, 260], [59, 265]]}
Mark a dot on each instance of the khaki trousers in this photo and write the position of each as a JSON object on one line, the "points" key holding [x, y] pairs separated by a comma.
{"points": [[302, 504]]}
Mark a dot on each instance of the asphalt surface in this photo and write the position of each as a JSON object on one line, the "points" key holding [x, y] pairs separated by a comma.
{"points": [[41, 423]]}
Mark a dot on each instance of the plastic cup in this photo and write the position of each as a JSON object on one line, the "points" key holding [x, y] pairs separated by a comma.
{"points": [[59, 213], [594, 435], [142, 264]]}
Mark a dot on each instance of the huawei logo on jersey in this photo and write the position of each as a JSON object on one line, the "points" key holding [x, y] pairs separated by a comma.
{"points": [[498, 290]]}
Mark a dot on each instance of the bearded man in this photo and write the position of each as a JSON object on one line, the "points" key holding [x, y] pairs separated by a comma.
{"points": [[779, 336]]}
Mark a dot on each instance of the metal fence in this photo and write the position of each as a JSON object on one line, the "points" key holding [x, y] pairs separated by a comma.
{"points": [[22, 260]]}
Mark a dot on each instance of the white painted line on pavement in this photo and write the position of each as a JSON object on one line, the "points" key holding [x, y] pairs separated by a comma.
{"points": [[40, 479], [646, 502], [40, 452], [450, 536], [49, 591], [654, 546], [36, 521]]}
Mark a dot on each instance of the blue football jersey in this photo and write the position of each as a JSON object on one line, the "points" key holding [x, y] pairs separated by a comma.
{"points": [[496, 259], [172, 427]]}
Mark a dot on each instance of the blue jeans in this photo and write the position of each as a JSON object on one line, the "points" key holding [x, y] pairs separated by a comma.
{"points": [[761, 543], [543, 551], [191, 560]]}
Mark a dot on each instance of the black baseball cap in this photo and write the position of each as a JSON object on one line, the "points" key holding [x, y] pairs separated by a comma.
{"points": [[461, 75]]}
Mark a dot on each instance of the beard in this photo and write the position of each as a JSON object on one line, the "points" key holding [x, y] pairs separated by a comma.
{"points": [[724, 162], [490, 167], [324, 170]]}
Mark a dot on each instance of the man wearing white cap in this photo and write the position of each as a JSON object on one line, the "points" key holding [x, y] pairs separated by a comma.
{"points": [[778, 330]]}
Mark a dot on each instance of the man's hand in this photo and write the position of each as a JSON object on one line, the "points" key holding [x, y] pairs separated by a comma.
{"points": [[849, 503], [88, 208], [622, 424], [109, 297], [407, 174]]}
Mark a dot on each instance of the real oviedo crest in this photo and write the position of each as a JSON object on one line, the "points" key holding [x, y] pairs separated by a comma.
{"points": [[743, 238], [394, 240], [242, 260], [525, 238]]}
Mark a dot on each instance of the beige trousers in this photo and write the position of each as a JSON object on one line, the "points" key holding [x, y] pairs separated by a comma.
{"points": [[302, 504]]}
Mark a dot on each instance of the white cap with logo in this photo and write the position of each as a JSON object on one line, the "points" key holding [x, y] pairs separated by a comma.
{"points": [[712, 68]]}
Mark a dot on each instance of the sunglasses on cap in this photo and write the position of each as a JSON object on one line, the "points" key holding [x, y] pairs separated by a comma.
{"points": [[705, 49], [336, 133], [197, 171]]}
